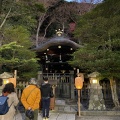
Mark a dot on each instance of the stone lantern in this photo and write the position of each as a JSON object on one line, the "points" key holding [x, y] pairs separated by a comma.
{"points": [[96, 101], [8, 77]]}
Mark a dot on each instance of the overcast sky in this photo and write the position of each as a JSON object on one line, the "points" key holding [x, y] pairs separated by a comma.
{"points": [[85, 0], [68, 0]]}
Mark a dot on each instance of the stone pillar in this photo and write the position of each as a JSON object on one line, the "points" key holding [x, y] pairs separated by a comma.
{"points": [[96, 101], [72, 84], [40, 77]]}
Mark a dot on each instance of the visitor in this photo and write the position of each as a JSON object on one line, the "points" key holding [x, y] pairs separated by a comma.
{"points": [[31, 97], [9, 91], [46, 93]]}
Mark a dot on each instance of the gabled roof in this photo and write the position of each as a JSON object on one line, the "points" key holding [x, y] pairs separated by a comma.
{"points": [[6, 75], [57, 40], [94, 74]]}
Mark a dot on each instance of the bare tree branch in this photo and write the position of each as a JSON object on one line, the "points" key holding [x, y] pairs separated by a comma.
{"points": [[47, 28], [5, 19], [41, 19]]}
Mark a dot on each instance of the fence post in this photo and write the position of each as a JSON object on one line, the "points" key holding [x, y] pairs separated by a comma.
{"points": [[40, 77], [72, 85]]}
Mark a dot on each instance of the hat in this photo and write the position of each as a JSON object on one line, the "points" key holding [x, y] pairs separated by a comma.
{"points": [[33, 81]]}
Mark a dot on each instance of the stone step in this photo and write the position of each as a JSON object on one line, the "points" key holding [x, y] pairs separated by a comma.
{"points": [[99, 113], [65, 109]]}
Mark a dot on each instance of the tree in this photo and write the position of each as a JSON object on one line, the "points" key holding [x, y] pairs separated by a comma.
{"points": [[20, 13], [100, 35], [66, 12], [16, 53]]}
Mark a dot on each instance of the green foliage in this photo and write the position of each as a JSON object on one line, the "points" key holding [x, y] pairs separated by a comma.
{"points": [[15, 36], [23, 13], [18, 34], [99, 31], [15, 52], [13, 57]]}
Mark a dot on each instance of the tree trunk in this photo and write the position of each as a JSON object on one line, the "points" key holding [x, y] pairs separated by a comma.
{"points": [[46, 29], [114, 93], [41, 19], [5, 19]]}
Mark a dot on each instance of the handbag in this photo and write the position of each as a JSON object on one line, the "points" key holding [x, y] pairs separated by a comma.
{"points": [[20, 107], [29, 114]]}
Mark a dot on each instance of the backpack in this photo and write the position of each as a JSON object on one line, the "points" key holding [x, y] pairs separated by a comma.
{"points": [[4, 108]]}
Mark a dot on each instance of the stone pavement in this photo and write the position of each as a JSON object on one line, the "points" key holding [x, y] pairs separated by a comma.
{"points": [[61, 112], [98, 117], [65, 111], [53, 116], [63, 116]]}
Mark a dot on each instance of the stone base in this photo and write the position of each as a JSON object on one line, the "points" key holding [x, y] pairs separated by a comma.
{"points": [[99, 113]]}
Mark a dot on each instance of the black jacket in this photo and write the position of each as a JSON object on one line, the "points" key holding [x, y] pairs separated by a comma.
{"points": [[46, 90]]}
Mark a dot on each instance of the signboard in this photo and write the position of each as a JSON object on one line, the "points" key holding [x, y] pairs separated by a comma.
{"points": [[13, 80]]}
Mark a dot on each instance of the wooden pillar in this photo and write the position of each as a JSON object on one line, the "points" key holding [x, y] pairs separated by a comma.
{"points": [[15, 74], [79, 111], [15, 80], [72, 85], [77, 70], [52, 100]]}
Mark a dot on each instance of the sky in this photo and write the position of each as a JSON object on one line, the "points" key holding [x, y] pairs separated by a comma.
{"points": [[68, 0], [85, 0]]}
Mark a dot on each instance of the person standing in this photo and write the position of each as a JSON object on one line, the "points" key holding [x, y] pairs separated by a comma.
{"points": [[9, 91], [31, 97], [46, 93]]}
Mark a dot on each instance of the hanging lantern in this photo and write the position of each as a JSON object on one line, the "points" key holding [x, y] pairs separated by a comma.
{"points": [[79, 82]]}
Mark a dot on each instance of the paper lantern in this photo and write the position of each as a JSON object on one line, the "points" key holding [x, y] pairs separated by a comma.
{"points": [[79, 82]]}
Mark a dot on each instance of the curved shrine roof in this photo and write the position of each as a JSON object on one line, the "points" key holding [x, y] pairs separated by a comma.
{"points": [[57, 40]]}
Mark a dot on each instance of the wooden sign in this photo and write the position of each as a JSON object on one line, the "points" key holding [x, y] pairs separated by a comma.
{"points": [[13, 80]]}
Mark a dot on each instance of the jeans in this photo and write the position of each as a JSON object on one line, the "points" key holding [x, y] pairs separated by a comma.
{"points": [[45, 106]]}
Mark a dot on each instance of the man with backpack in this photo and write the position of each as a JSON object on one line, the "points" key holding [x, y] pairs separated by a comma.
{"points": [[46, 93], [8, 102]]}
